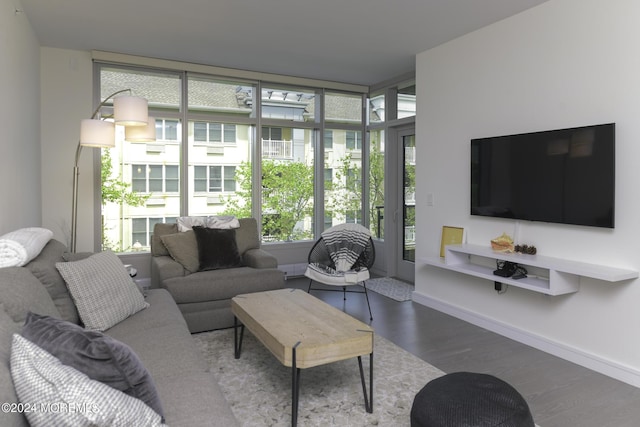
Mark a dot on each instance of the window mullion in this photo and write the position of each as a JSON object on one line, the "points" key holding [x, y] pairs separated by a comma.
{"points": [[184, 147]]}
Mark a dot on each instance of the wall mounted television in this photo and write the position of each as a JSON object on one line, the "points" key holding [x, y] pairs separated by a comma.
{"points": [[564, 176]]}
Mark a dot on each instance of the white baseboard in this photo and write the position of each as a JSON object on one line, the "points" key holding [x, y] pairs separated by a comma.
{"points": [[604, 366], [293, 270]]}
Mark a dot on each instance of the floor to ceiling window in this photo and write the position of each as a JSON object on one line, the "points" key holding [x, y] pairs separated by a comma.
{"points": [[343, 154], [141, 180], [220, 137], [391, 179], [376, 182], [289, 123], [210, 131]]}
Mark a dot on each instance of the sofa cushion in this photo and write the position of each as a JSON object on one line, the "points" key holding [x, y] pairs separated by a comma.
{"points": [[217, 248], [99, 356], [21, 292], [40, 377], [183, 247], [102, 290], [160, 229], [222, 284], [259, 258], [7, 392], [247, 235], [195, 399], [190, 394], [149, 333], [44, 268]]}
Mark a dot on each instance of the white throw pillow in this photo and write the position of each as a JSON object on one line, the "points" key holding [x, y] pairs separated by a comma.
{"points": [[223, 222], [102, 290], [58, 394], [186, 223]]}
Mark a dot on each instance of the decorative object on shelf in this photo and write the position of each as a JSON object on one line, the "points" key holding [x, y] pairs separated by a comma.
{"points": [[526, 249], [502, 243], [450, 236], [96, 132]]}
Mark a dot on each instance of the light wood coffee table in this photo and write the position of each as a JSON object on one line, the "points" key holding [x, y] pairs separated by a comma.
{"points": [[302, 331]]}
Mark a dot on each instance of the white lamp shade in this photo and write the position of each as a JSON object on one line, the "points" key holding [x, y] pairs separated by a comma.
{"points": [[97, 133], [141, 133], [130, 110]]}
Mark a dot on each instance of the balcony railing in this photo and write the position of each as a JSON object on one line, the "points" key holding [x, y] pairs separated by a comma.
{"points": [[277, 149]]}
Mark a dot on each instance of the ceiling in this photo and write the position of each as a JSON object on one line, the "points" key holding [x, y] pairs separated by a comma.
{"points": [[351, 41]]}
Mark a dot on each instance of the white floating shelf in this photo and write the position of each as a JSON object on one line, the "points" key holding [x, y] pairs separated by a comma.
{"points": [[562, 276]]}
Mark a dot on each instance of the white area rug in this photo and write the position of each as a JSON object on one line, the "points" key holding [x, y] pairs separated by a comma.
{"points": [[258, 387], [392, 288]]}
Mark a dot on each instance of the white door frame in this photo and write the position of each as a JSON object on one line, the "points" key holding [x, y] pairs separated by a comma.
{"points": [[394, 199]]}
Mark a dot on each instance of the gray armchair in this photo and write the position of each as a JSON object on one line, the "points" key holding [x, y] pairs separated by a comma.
{"points": [[204, 297]]}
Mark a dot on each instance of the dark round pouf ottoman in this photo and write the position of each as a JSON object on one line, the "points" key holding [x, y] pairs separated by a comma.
{"points": [[466, 399]]}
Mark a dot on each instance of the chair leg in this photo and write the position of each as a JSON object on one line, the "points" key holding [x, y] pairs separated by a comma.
{"points": [[309, 289], [344, 293], [366, 294]]}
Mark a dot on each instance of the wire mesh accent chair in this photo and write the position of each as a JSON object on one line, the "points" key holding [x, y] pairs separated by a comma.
{"points": [[342, 257]]}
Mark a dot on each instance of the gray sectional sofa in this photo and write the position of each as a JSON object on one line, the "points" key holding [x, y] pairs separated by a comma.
{"points": [[158, 334], [204, 297]]}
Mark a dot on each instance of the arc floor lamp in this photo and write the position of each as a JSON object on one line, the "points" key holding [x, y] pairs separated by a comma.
{"points": [[128, 110]]}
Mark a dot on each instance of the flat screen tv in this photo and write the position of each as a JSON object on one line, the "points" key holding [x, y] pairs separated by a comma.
{"points": [[564, 176]]}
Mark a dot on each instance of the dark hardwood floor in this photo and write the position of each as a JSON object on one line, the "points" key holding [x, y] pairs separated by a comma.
{"points": [[559, 393]]}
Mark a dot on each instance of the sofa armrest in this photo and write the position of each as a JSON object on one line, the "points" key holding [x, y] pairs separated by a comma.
{"points": [[259, 258], [163, 268]]}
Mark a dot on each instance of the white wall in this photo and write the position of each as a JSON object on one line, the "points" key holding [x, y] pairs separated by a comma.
{"points": [[20, 204], [564, 63], [66, 81], [45, 92]]}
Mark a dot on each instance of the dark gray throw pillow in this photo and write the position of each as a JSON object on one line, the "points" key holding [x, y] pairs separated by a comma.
{"points": [[217, 248], [99, 356]]}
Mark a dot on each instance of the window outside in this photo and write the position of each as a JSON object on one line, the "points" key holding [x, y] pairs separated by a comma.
{"points": [[141, 181], [407, 101], [288, 103], [218, 152], [376, 182], [144, 183], [376, 110], [343, 177], [343, 154]]}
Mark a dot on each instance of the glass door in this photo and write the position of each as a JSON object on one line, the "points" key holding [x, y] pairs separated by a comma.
{"points": [[406, 232]]}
